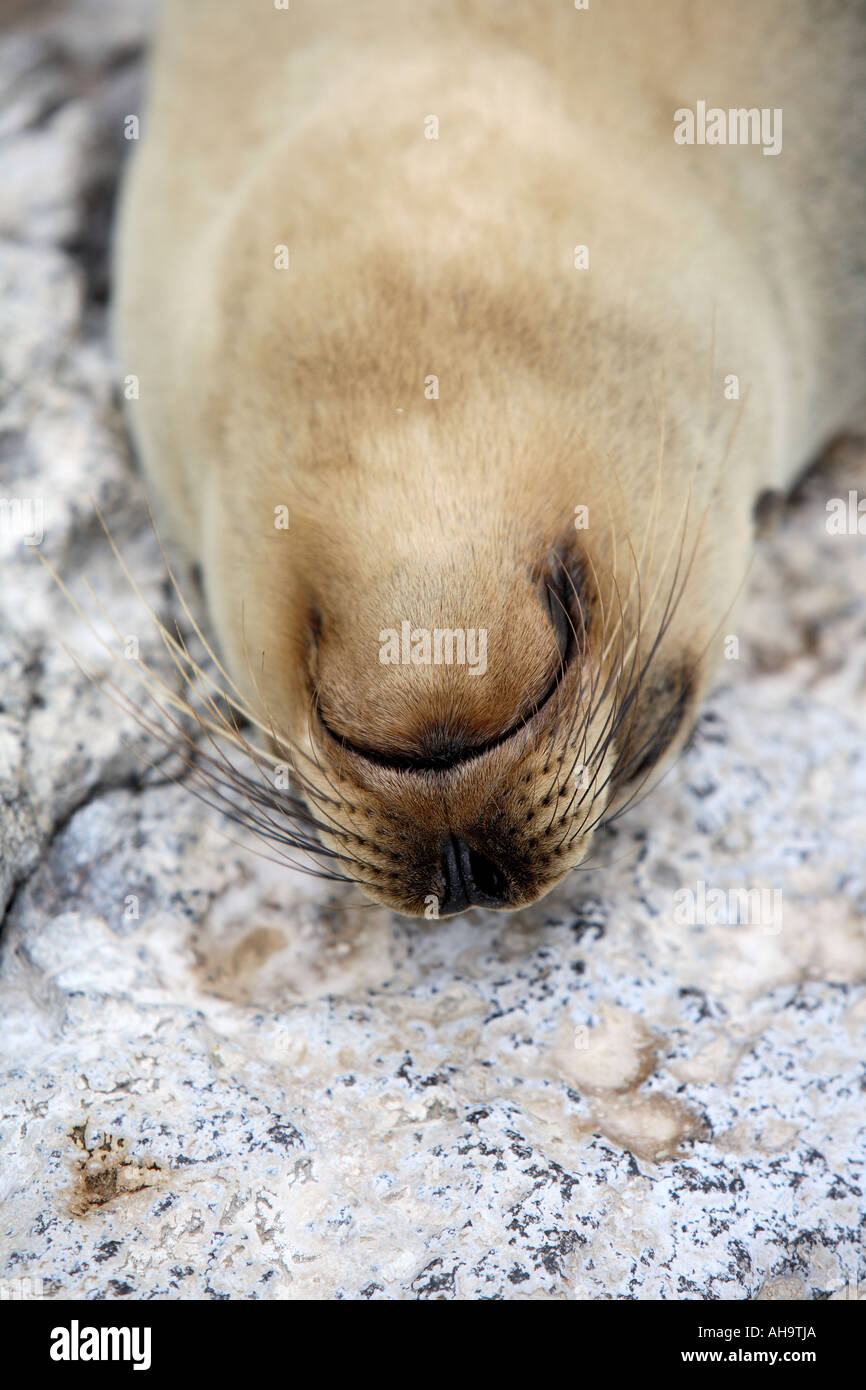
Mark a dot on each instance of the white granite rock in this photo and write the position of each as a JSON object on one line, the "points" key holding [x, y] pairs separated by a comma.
{"points": [[222, 1079]]}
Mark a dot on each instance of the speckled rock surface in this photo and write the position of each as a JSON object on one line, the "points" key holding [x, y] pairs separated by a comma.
{"points": [[222, 1079]]}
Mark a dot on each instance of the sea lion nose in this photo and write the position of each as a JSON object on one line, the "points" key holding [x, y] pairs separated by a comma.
{"points": [[471, 879]]}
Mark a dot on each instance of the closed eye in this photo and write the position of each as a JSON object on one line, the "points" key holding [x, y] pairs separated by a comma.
{"points": [[564, 597]]}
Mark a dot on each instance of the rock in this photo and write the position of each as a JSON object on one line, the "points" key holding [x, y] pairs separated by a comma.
{"points": [[223, 1079]]}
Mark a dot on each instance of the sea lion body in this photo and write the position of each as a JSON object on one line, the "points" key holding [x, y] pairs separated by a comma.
{"points": [[440, 287]]}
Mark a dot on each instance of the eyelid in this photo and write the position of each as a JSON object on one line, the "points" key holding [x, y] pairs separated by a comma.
{"points": [[558, 610]]}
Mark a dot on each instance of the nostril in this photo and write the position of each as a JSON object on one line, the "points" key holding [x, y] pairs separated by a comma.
{"points": [[471, 879], [454, 898], [486, 878]]}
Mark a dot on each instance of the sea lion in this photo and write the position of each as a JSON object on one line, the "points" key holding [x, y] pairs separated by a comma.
{"points": [[459, 327]]}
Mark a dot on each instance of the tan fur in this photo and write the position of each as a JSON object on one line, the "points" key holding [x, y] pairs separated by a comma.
{"points": [[558, 387]]}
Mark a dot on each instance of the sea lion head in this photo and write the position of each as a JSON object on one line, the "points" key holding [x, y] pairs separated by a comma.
{"points": [[436, 469], [455, 597]]}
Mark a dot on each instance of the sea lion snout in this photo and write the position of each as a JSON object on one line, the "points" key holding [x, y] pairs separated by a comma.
{"points": [[495, 831], [475, 797]]}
